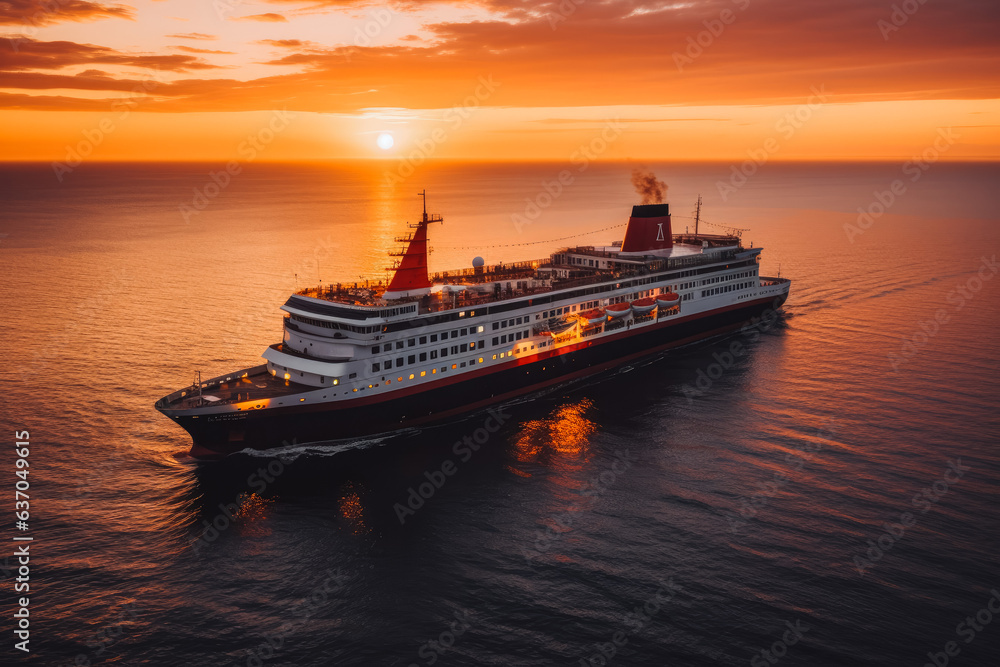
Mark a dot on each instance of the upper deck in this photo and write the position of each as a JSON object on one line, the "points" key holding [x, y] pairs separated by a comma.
{"points": [[567, 268]]}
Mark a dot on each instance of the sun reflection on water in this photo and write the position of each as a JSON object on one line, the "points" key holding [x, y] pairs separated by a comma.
{"points": [[252, 514], [353, 510], [564, 434]]}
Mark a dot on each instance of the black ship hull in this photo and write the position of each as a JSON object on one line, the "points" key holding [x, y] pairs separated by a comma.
{"points": [[218, 435]]}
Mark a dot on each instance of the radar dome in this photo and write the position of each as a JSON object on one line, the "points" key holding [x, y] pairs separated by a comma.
{"points": [[478, 262]]}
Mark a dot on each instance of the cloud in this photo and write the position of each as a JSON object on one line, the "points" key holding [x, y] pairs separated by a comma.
{"points": [[191, 49], [47, 12], [284, 43], [194, 35], [88, 80], [34, 54], [605, 54], [266, 18]]}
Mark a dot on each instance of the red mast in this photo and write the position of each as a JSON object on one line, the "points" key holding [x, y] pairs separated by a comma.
{"points": [[411, 278]]}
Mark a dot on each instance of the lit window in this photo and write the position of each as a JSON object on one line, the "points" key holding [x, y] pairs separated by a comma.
{"points": [[479, 329], [399, 379], [423, 373], [433, 371], [454, 365], [494, 356], [411, 376], [480, 360]]}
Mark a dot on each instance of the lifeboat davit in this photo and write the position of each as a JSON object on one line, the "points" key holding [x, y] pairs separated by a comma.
{"points": [[595, 316], [618, 309], [668, 300], [643, 306]]}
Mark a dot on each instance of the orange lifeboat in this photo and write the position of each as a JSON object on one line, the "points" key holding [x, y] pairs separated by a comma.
{"points": [[595, 316], [619, 309], [643, 306], [668, 300]]}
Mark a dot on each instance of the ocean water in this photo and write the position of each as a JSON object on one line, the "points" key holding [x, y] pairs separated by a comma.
{"points": [[829, 495]]}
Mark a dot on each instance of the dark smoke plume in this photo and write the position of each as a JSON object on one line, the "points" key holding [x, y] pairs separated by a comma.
{"points": [[652, 190]]}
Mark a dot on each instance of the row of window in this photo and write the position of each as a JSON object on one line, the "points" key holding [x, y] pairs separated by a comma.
{"points": [[726, 288], [512, 322], [402, 310], [444, 369], [422, 356], [511, 337], [335, 325], [731, 276], [579, 261], [423, 340]]}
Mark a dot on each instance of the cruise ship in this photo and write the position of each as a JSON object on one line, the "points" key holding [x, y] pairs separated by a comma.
{"points": [[370, 358]]}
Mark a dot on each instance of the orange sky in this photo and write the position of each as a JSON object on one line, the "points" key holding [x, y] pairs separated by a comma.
{"points": [[497, 79]]}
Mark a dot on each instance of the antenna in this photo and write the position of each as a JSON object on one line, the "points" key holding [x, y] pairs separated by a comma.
{"points": [[697, 215], [424, 195]]}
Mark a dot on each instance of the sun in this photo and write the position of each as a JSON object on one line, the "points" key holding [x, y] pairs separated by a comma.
{"points": [[385, 141]]}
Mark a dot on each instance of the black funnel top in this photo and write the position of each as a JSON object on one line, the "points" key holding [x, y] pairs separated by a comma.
{"points": [[650, 210]]}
